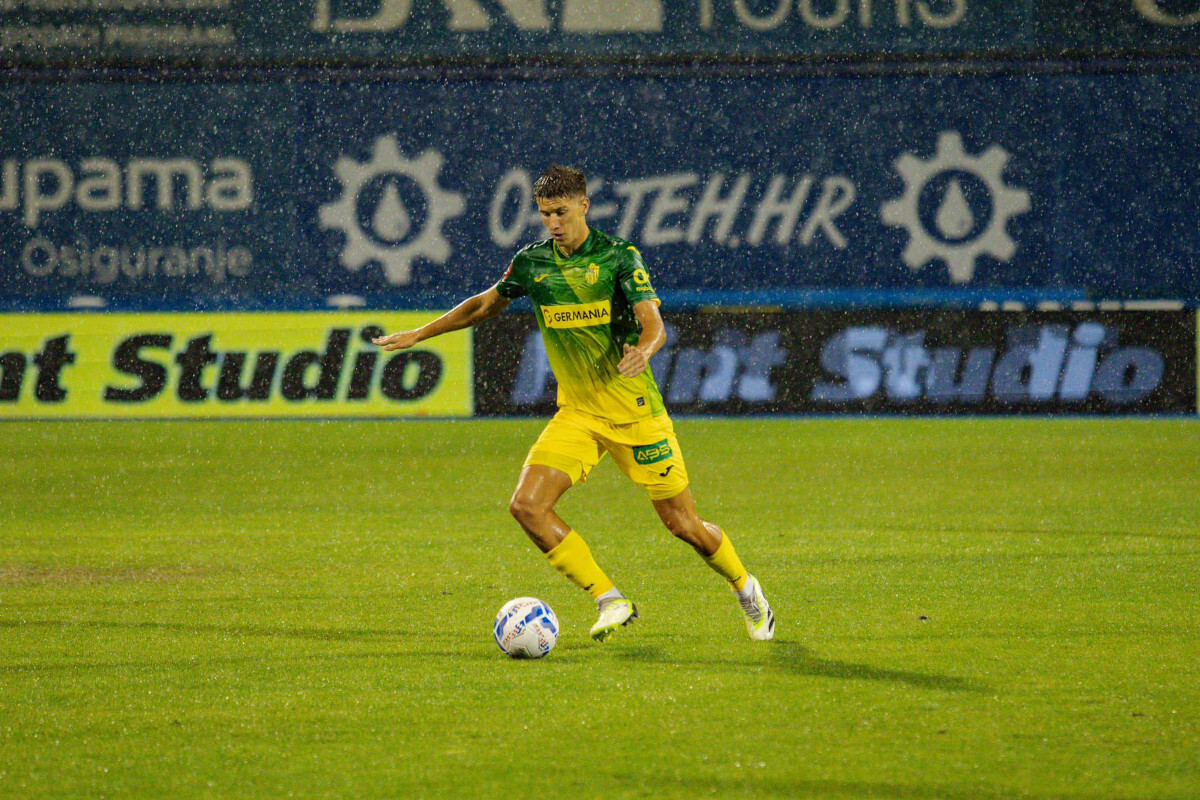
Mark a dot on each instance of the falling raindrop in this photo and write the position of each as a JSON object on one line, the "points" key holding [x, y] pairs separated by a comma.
{"points": [[391, 220], [954, 218]]}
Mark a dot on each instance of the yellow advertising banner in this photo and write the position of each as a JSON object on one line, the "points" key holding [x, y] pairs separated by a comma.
{"points": [[180, 365]]}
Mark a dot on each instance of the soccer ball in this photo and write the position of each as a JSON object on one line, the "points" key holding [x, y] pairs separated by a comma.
{"points": [[526, 628]]}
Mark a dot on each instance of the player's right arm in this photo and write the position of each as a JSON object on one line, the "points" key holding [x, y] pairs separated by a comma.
{"points": [[471, 311]]}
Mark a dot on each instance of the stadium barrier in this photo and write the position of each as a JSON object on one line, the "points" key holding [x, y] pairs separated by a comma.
{"points": [[373, 32], [862, 361], [905, 190], [278, 365], [227, 365]]}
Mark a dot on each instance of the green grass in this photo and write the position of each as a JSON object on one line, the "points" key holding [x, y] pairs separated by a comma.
{"points": [[965, 609]]}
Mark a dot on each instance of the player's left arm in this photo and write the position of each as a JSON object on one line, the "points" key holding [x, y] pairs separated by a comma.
{"points": [[653, 337]]}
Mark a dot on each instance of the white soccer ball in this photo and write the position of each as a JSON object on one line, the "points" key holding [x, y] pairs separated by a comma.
{"points": [[526, 628]]}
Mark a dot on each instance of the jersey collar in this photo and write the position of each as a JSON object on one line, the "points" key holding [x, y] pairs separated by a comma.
{"points": [[583, 248]]}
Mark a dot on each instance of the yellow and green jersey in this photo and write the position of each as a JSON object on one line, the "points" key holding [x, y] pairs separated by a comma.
{"points": [[584, 307]]}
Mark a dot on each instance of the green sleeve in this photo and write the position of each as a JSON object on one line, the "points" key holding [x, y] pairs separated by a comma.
{"points": [[634, 278], [510, 286]]}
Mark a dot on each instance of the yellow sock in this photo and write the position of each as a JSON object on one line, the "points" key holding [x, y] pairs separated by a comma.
{"points": [[574, 560], [727, 564]]}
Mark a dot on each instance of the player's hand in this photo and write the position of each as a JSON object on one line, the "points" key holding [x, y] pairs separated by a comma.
{"points": [[397, 341], [634, 363]]}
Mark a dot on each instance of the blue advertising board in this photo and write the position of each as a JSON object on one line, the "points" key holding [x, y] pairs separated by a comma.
{"points": [[370, 32], [1118, 25], [145, 196], [895, 361], [750, 189]]}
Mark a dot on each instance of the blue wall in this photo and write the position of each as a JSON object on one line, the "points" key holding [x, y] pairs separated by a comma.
{"points": [[774, 187]]}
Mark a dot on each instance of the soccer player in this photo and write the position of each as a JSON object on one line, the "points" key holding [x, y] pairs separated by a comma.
{"points": [[599, 318]]}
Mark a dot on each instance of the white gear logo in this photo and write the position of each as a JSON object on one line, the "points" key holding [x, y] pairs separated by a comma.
{"points": [[395, 252], [1007, 202]]}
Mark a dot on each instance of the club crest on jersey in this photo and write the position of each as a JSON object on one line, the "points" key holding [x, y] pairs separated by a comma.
{"points": [[593, 274], [583, 315]]}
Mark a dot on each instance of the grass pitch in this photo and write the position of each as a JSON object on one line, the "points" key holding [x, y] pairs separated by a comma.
{"points": [[965, 609]]}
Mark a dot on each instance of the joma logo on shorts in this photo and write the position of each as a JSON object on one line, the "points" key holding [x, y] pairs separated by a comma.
{"points": [[652, 453]]}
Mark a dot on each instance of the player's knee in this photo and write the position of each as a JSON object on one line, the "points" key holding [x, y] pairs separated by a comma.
{"points": [[526, 509], [519, 508], [684, 526]]}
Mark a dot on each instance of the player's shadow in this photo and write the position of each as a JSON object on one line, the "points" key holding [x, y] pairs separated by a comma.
{"points": [[795, 658]]}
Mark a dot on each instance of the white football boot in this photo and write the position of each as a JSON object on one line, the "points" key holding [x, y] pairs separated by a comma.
{"points": [[614, 614], [760, 620]]}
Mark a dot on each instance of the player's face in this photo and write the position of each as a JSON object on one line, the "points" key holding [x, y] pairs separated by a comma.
{"points": [[565, 219]]}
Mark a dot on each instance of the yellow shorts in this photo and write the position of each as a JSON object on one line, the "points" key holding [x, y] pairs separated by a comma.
{"points": [[646, 451]]}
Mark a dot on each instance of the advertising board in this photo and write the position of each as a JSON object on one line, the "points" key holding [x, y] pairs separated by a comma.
{"points": [[148, 196], [748, 190], [924, 362], [275, 365], [400, 31]]}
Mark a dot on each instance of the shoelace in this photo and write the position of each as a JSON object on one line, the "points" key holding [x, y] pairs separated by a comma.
{"points": [[750, 606]]}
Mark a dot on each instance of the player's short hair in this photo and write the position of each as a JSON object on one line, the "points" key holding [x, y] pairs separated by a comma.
{"points": [[559, 181]]}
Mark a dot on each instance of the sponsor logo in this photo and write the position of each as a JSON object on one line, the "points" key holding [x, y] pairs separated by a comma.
{"points": [[1154, 11], [959, 235], [1049, 364], [541, 277], [377, 221], [38, 187], [666, 472], [730, 211], [142, 34], [42, 193], [474, 16], [583, 315], [905, 361], [736, 367], [641, 280], [224, 365], [835, 14], [653, 453], [104, 264]]}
